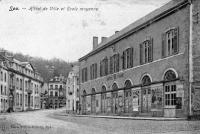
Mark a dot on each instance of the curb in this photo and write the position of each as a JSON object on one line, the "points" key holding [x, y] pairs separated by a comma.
{"points": [[127, 118]]}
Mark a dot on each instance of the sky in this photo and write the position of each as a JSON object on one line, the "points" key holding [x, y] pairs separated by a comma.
{"points": [[51, 29]]}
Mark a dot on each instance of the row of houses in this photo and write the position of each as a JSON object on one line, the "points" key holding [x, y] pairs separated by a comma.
{"points": [[149, 68], [20, 85], [62, 91]]}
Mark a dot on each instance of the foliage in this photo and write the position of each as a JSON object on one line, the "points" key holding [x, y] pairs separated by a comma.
{"points": [[46, 68]]}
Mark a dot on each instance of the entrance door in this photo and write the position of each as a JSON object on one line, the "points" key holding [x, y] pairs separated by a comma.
{"points": [[93, 107], [115, 102], [146, 100]]}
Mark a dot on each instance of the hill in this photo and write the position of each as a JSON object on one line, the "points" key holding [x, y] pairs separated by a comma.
{"points": [[47, 68]]}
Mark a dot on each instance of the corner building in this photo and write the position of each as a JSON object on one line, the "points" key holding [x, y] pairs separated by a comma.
{"points": [[149, 68], [20, 84]]}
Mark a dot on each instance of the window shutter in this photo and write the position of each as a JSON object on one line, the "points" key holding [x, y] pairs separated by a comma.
{"points": [[141, 54], [111, 65], [163, 45], [131, 57], [90, 72], [176, 41], [117, 67], [100, 68], [151, 50], [125, 59], [82, 75], [85, 74], [95, 70], [123, 62], [105, 66]]}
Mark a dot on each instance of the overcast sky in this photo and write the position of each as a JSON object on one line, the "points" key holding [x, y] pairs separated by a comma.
{"points": [[66, 34]]}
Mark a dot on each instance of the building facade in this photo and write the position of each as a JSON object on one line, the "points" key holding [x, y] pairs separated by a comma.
{"points": [[57, 92], [4, 87], [44, 96], [20, 85], [149, 68], [72, 91]]}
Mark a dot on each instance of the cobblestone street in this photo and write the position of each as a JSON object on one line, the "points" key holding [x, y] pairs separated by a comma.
{"points": [[55, 121]]}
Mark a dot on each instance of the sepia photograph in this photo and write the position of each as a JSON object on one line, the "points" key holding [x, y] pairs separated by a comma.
{"points": [[100, 67]]}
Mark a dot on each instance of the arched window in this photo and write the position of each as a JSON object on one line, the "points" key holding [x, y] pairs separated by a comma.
{"points": [[127, 96], [93, 91], [84, 93], [170, 75], [103, 99], [114, 86], [146, 80], [170, 89], [128, 84], [93, 100], [146, 94], [114, 98]]}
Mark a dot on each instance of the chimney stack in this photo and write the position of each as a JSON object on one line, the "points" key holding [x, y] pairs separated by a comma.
{"points": [[103, 39], [95, 42]]}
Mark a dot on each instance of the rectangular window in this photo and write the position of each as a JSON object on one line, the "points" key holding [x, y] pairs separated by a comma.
{"points": [[114, 63], [170, 42], [20, 84], [93, 71], [26, 100], [31, 100], [127, 58], [20, 99], [51, 93], [5, 77], [56, 94], [84, 74], [170, 95], [104, 67], [1, 76], [146, 51], [5, 90]]}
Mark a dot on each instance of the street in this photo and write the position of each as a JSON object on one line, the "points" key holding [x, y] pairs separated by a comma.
{"points": [[56, 122]]}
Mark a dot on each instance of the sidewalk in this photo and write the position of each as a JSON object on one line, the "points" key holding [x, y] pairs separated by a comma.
{"points": [[123, 117]]}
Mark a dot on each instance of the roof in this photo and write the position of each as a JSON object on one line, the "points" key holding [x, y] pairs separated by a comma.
{"points": [[137, 25]]}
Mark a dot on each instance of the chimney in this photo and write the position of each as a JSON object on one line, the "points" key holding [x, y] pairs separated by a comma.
{"points": [[103, 39], [116, 32], [95, 42]]}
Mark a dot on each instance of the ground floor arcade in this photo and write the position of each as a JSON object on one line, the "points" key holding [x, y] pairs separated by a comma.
{"points": [[163, 98]]}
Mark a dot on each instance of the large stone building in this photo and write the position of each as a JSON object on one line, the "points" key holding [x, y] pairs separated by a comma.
{"points": [[149, 68], [72, 91], [20, 85], [57, 92]]}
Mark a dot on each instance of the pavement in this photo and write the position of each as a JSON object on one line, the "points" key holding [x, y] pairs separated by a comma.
{"points": [[58, 122], [122, 117]]}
